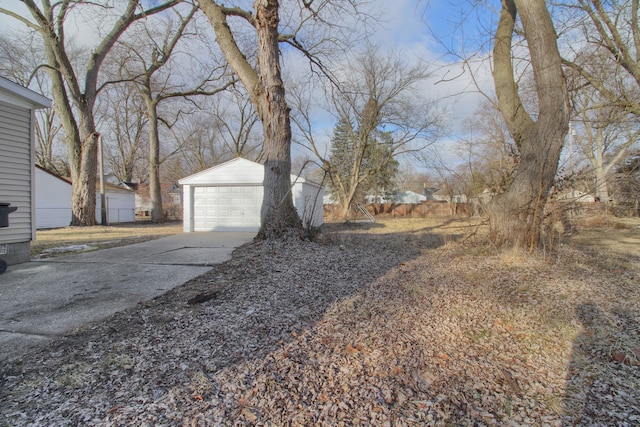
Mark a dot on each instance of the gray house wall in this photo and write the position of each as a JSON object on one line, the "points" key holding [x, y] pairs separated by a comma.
{"points": [[17, 164], [16, 181]]}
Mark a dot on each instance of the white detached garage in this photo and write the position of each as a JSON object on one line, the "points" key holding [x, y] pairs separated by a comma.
{"points": [[228, 197]]}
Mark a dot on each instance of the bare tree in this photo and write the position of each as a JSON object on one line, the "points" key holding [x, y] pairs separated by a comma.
{"points": [[124, 127], [488, 151], [221, 128], [604, 75], [235, 121], [612, 33], [516, 215], [604, 134], [75, 87], [375, 102], [142, 64], [198, 144], [627, 182], [265, 87]]}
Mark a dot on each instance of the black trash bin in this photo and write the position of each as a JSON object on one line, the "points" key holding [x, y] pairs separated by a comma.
{"points": [[5, 210]]}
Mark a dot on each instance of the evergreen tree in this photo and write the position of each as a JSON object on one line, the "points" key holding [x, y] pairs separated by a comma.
{"points": [[378, 168], [382, 176], [342, 156]]}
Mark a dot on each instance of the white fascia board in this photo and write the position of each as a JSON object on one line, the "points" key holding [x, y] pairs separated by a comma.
{"points": [[14, 93]]}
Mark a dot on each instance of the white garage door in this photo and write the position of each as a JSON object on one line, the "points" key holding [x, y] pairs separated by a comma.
{"points": [[227, 208]]}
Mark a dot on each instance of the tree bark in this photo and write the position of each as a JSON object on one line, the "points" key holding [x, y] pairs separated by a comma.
{"points": [[82, 144], [516, 215], [266, 89], [155, 193], [278, 213]]}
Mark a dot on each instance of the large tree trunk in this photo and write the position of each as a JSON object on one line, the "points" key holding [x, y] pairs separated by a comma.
{"points": [[82, 146], [266, 89], [516, 215], [83, 175], [347, 199], [278, 213], [155, 193]]}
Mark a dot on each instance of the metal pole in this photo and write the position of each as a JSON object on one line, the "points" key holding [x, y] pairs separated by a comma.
{"points": [[571, 174], [103, 201]]}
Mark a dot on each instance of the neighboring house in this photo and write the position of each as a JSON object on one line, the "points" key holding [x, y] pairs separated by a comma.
{"points": [[53, 201], [409, 197], [443, 195], [406, 197], [121, 204], [171, 195], [459, 198], [328, 199], [17, 170], [428, 192], [228, 197]]}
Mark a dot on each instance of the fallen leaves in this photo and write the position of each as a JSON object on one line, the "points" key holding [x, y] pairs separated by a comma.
{"points": [[362, 336]]}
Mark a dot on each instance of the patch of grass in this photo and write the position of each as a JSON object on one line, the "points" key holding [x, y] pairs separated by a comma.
{"points": [[117, 361], [478, 335], [73, 375], [100, 237], [387, 225]]}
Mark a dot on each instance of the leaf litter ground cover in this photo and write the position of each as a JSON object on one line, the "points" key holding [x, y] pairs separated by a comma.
{"points": [[361, 328]]}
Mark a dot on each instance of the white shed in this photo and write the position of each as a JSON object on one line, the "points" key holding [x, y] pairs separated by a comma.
{"points": [[228, 197], [17, 159], [53, 201], [121, 204]]}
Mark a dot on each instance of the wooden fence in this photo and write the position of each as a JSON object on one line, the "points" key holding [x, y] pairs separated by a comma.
{"points": [[416, 210]]}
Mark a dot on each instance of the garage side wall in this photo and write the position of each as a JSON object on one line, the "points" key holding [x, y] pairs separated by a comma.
{"points": [[53, 201], [187, 208], [307, 198]]}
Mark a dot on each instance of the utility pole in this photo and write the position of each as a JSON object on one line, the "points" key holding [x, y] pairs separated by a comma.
{"points": [[103, 198]]}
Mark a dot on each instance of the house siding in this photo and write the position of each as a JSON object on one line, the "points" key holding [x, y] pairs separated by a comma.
{"points": [[15, 171], [307, 198]]}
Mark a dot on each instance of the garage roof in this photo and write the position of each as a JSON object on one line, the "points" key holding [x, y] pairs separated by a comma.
{"points": [[238, 171]]}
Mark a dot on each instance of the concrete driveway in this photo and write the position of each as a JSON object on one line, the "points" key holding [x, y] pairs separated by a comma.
{"points": [[52, 297]]}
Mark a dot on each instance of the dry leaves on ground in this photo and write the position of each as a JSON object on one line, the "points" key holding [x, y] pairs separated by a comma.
{"points": [[391, 330]]}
